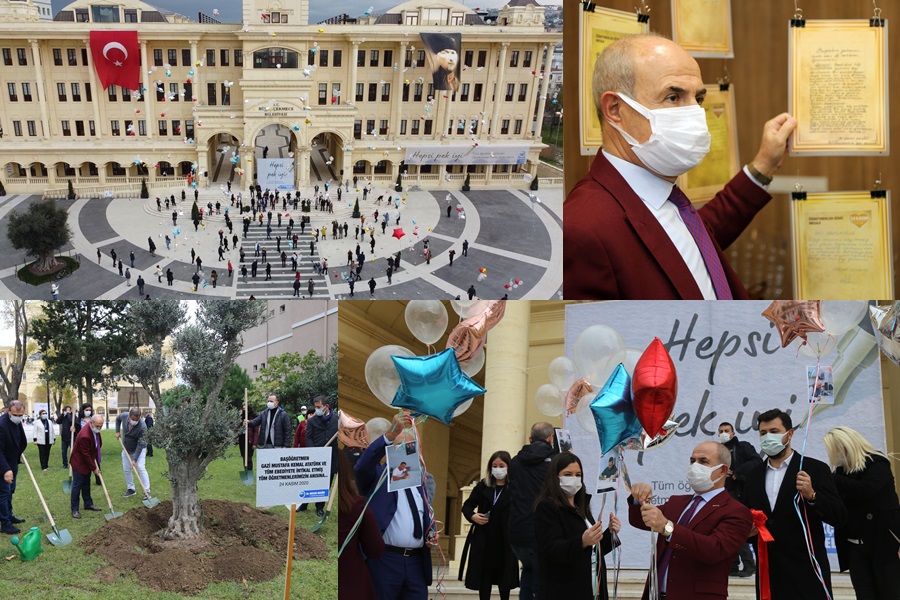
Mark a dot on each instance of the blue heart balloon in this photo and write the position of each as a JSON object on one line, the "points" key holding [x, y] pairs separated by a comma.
{"points": [[433, 385], [614, 411]]}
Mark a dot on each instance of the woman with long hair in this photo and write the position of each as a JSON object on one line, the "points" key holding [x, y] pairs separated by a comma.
{"points": [[490, 558], [867, 543], [568, 537], [354, 580]]}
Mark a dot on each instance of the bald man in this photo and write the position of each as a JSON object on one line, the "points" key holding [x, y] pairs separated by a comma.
{"points": [[12, 444], [699, 534], [628, 231], [84, 462]]}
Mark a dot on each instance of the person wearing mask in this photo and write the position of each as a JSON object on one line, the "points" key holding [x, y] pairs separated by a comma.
{"points": [[274, 425], [300, 432], [366, 543], [85, 414], [251, 434], [744, 458], [148, 421], [700, 534], [866, 545], [404, 571], [568, 540], [12, 444], [44, 436], [773, 487], [84, 462], [321, 432], [490, 559], [65, 433], [527, 471], [132, 430]]}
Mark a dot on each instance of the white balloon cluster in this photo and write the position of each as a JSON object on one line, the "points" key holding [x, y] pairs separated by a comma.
{"points": [[838, 317]]}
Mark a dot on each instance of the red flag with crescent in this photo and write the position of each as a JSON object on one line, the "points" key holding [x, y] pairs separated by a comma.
{"points": [[117, 58]]}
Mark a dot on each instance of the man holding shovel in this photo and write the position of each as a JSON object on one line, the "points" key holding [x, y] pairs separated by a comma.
{"points": [[12, 444], [84, 462], [131, 429]]}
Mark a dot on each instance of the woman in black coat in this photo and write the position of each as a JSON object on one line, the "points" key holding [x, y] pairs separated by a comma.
{"points": [[490, 558], [866, 544], [567, 536]]}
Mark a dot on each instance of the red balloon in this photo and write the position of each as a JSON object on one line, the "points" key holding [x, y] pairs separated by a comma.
{"points": [[654, 387]]}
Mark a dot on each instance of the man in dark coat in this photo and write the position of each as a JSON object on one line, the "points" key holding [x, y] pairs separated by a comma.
{"points": [[772, 487], [274, 426], [321, 430], [85, 461], [744, 458], [12, 444], [148, 421], [526, 477], [65, 423]]}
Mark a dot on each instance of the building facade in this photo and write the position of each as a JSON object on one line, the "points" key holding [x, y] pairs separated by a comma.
{"points": [[347, 99]]}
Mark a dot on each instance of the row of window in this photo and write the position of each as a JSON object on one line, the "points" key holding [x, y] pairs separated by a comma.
{"points": [[426, 127], [224, 57], [139, 128]]}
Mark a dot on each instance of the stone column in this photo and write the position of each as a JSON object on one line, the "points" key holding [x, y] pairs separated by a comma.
{"points": [[100, 126], [146, 93], [202, 166], [195, 79], [397, 84], [545, 84], [42, 97], [304, 167], [506, 379], [501, 91], [353, 69], [533, 87]]}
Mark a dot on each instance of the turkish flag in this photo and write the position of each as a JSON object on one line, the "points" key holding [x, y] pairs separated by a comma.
{"points": [[117, 58]]}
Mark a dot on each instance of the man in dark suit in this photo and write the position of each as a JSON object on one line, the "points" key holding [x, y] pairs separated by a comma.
{"points": [[773, 487], [404, 571], [321, 431], [699, 534], [12, 444], [628, 232], [148, 421], [744, 458]]}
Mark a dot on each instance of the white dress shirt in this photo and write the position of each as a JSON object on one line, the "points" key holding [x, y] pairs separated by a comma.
{"points": [[774, 478], [654, 192]]}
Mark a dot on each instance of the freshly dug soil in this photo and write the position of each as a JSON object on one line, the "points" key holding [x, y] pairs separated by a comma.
{"points": [[240, 543]]}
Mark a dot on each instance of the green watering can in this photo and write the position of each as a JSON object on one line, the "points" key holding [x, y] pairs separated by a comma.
{"points": [[30, 544]]}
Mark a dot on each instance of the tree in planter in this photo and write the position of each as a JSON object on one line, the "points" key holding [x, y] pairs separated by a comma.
{"points": [[399, 186], [145, 193], [356, 209], [465, 187], [534, 184], [71, 190], [195, 212], [41, 230], [201, 428]]}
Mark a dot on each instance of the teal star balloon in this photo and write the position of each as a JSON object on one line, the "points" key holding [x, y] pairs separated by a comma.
{"points": [[433, 385]]}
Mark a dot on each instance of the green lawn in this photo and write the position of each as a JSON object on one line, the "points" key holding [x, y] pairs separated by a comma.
{"points": [[67, 572]]}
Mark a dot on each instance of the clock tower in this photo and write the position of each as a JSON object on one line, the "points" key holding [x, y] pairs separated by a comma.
{"points": [[261, 14]]}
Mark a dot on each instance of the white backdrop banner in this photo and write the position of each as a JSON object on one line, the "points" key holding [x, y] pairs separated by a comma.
{"points": [[292, 476], [731, 367], [276, 173], [466, 155]]}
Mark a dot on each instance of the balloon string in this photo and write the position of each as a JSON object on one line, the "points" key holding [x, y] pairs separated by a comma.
{"points": [[432, 521]]}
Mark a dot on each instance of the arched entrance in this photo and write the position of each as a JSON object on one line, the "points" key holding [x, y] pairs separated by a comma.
{"points": [[275, 141], [221, 151], [326, 161]]}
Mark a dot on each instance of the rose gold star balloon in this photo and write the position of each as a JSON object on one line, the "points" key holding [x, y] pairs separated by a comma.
{"points": [[794, 319], [578, 390]]}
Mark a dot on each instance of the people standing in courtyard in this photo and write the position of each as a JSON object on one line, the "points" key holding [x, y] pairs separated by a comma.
{"points": [[132, 430], [128, 277], [214, 277], [44, 436], [86, 460], [121, 274], [131, 258], [170, 276], [65, 423], [12, 444], [140, 285], [113, 254], [54, 291], [372, 285], [311, 287], [452, 254], [471, 291], [268, 271], [158, 274], [465, 247]]}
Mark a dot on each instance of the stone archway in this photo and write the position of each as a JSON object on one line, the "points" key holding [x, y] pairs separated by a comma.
{"points": [[221, 150], [327, 157]]}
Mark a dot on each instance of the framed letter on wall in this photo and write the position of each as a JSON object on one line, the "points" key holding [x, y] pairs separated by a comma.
{"points": [[703, 27]]}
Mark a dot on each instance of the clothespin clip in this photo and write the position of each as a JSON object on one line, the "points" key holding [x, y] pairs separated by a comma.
{"points": [[725, 82], [588, 6], [876, 20], [798, 20], [643, 12], [798, 193], [877, 191]]}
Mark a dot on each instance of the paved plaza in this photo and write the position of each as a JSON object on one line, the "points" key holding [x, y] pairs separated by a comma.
{"points": [[511, 235]]}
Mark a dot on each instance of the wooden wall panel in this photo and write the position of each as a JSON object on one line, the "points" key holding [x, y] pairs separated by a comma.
{"points": [[759, 72]]}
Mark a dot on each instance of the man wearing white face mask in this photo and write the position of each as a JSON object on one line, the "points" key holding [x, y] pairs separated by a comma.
{"points": [[699, 534], [320, 432], [773, 488], [12, 444], [131, 429], [629, 233], [274, 425]]}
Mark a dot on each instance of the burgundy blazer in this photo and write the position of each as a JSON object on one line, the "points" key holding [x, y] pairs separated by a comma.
{"points": [[84, 453], [703, 551], [614, 248]]}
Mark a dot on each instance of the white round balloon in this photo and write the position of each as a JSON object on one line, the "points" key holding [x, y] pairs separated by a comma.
{"points": [[549, 400], [469, 308], [474, 366], [585, 416], [463, 407], [598, 350], [818, 344], [840, 316], [426, 319], [562, 372], [632, 355], [381, 374], [377, 427]]}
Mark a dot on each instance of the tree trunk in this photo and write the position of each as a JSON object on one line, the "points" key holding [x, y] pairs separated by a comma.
{"points": [[186, 521], [45, 263]]}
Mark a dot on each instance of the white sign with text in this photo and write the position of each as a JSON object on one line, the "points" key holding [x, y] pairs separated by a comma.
{"points": [[292, 476], [470, 154], [275, 173]]}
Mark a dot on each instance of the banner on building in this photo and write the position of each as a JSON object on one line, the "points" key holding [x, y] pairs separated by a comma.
{"points": [[730, 366], [275, 173], [117, 58], [466, 155], [442, 51]]}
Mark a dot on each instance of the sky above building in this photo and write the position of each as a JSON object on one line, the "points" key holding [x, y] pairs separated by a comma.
{"points": [[319, 10]]}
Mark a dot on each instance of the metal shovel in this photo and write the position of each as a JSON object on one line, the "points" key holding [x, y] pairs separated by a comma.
{"points": [[67, 485], [331, 496], [246, 475], [112, 513], [57, 538], [148, 501]]}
